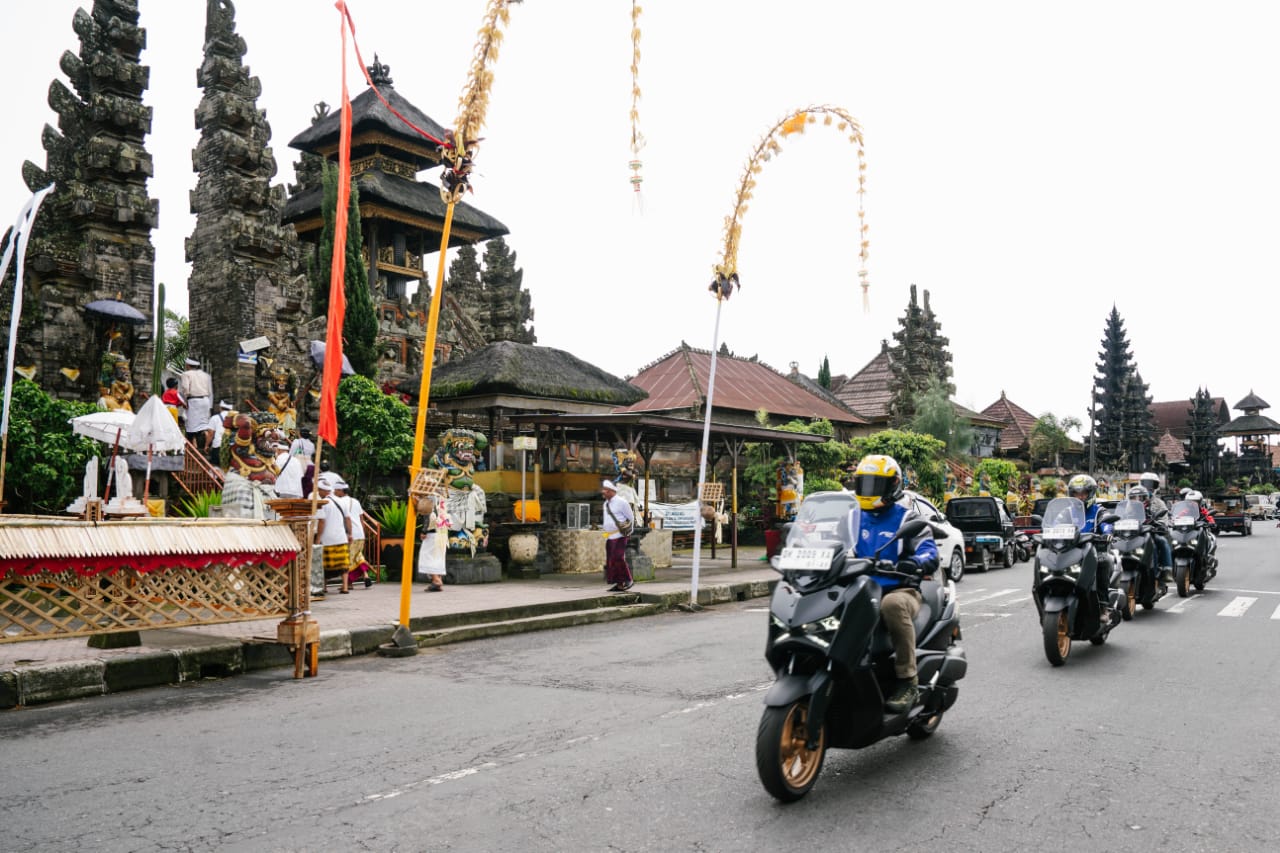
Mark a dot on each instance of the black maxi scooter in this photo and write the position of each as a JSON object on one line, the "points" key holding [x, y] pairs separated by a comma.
{"points": [[1195, 559], [1134, 540], [833, 659], [1065, 589]]}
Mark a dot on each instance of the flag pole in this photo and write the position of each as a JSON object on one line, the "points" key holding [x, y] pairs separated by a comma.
{"points": [[17, 243]]}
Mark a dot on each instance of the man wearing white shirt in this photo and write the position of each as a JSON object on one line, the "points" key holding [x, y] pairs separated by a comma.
{"points": [[289, 475], [350, 504]]}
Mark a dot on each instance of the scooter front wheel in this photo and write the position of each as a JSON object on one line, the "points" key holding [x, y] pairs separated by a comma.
{"points": [[1182, 578], [1057, 637], [1130, 600], [787, 767]]}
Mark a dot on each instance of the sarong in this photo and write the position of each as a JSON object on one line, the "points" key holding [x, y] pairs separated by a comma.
{"points": [[616, 570], [335, 557]]}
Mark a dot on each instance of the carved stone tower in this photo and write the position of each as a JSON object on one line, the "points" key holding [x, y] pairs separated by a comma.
{"points": [[244, 281], [92, 239]]}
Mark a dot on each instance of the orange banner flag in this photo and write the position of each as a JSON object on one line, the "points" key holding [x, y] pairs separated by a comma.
{"points": [[328, 430]]}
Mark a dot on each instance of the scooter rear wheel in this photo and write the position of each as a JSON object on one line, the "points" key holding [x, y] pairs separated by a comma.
{"points": [[1057, 638], [788, 768]]}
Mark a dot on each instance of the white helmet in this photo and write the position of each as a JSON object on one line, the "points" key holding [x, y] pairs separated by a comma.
{"points": [[1194, 496], [1150, 481]]}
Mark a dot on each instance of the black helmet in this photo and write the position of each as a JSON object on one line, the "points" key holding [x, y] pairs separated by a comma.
{"points": [[1084, 487], [1139, 493]]}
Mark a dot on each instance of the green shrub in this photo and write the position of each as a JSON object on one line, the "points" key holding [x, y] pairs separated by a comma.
{"points": [[197, 506], [393, 516]]}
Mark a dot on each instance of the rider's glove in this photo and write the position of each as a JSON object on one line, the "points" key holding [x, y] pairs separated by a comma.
{"points": [[908, 566]]}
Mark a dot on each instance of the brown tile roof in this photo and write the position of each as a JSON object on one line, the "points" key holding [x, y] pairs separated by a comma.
{"points": [[1020, 422], [1171, 449], [678, 380], [1175, 415], [867, 391]]}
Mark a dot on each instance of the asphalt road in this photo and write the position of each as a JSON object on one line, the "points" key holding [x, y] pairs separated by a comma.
{"points": [[639, 735]]}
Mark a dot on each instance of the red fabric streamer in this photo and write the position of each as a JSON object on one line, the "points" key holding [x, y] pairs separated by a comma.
{"points": [[328, 430], [143, 563], [368, 79]]}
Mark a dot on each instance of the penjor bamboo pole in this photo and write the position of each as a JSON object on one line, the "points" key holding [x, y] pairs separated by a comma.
{"points": [[420, 429]]}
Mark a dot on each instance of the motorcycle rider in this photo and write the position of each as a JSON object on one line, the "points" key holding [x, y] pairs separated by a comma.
{"points": [[1157, 510], [877, 482], [1085, 488], [1207, 517]]}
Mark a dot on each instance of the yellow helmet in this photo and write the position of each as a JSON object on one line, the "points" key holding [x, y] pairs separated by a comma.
{"points": [[877, 481]]}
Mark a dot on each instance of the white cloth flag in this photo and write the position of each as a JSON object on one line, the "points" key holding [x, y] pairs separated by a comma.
{"points": [[21, 232]]}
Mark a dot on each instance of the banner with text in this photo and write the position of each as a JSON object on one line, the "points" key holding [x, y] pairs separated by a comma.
{"points": [[677, 516]]}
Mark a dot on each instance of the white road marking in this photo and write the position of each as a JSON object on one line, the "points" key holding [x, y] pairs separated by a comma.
{"points": [[1181, 606], [711, 703], [965, 600], [434, 780], [1238, 606], [1251, 591], [1276, 615]]}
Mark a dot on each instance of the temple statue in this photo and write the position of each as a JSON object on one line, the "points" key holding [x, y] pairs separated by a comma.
{"points": [[116, 388], [280, 400], [465, 501], [625, 467]]}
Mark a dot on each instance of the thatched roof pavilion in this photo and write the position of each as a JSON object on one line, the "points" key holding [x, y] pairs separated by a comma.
{"points": [[506, 380]]}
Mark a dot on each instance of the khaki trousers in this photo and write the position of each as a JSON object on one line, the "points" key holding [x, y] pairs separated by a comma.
{"points": [[898, 609]]}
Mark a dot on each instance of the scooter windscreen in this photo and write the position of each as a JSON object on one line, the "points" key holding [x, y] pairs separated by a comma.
{"points": [[1131, 515], [1184, 513], [823, 530], [1063, 520]]}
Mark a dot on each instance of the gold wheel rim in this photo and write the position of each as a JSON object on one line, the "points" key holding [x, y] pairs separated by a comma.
{"points": [[1133, 596], [1064, 639], [799, 763]]}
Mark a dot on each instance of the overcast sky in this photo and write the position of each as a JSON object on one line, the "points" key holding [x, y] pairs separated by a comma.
{"points": [[1030, 164]]}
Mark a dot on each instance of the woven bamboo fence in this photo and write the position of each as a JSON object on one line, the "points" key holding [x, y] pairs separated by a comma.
{"points": [[69, 578]]}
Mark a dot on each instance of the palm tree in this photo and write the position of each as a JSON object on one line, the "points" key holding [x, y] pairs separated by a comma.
{"points": [[177, 341]]}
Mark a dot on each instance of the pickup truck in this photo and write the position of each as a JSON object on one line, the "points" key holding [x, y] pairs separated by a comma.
{"points": [[988, 531], [1230, 514]]}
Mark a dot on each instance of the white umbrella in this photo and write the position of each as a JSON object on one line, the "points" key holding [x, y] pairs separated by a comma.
{"points": [[111, 427], [155, 429]]}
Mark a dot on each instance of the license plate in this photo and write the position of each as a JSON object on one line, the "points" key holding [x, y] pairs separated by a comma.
{"points": [[818, 559], [1062, 531], [1128, 524], [987, 540], [1183, 522]]}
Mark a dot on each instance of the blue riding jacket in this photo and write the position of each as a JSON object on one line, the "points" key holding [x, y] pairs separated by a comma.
{"points": [[879, 527]]}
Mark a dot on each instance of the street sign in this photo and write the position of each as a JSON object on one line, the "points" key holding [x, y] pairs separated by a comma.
{"points": [[524, 442]]}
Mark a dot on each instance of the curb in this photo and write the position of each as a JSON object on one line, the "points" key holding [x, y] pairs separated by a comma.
{"points": [[34, 685]]}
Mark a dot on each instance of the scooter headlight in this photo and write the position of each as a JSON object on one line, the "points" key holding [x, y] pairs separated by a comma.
{"points": [[776, 622], [1074, 569], [822, 626]]}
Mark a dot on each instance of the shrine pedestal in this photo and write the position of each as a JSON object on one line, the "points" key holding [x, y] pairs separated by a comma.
{"points": [[463, 568]]}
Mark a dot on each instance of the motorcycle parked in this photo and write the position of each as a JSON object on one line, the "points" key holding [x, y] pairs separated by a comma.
{"points": [[1195, 558], [1072, 605], [1134, 541], [833, 659]]}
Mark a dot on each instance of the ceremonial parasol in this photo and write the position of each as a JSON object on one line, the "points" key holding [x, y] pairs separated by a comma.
{"points": [[155, 429]]}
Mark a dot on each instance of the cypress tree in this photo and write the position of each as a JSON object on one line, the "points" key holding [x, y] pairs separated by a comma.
{"points": [[360, 326], [824, 373], [360, 323]]}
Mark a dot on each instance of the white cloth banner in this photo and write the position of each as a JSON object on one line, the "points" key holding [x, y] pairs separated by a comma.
{"points": [[677, 516], [18, 237]]}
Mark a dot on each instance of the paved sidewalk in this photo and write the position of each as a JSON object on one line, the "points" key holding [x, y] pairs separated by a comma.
{"points": [[52, 670]]}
